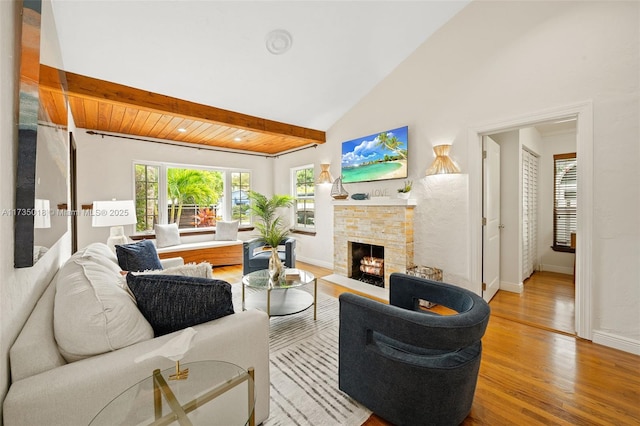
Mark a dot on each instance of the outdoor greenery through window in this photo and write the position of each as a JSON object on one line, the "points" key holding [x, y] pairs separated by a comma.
{"points": [[191, 197], [565, 200], [240, 187], [304, 192], [146, 196]]}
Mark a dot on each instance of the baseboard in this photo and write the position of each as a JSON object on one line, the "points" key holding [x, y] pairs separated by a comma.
{"points": [[512, 287], [315, 262], [557, 269], [616, 342]]}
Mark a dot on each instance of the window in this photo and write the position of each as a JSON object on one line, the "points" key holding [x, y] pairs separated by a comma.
{"points": [[192, 197], [146, 182], [240, 197], [303, 193], [565, 189]]}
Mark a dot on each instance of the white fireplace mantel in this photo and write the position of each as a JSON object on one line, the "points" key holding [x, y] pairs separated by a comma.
{"points": [[377, 201]]}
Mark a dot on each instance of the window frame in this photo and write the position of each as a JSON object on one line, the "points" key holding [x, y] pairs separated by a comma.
{"points": [[156, 217], [163, 206], [296, 227], [556, 246], [249, 216]]}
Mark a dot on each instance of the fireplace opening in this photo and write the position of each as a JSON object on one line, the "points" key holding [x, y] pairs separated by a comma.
{"points": [[367, 263]]}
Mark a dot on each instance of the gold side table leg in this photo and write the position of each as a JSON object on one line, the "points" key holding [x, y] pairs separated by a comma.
{"points": [[157, 397], [252, 407], [315, 298], [242, 284], [269, 302], [172, 402]]}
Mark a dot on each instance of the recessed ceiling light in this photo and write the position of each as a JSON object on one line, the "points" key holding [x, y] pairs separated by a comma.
{"points": [[181, 130], [237, 139], [278, 41]]}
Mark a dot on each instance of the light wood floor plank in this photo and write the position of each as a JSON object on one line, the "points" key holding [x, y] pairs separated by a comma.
{"points": [[531, 374]]}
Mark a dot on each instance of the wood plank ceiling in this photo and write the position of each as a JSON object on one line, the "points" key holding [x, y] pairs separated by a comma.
{"points": [[108, 107]]}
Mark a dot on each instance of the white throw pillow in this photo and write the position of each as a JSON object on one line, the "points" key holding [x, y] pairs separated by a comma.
{"points": [[200, 270], [226, 231], [92, 313], [167, 235]]}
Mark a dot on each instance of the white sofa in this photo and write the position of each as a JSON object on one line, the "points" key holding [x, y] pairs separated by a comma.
{"points": [[47, 390]]}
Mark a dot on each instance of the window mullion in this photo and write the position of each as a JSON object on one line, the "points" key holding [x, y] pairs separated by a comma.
{"points": [[163, 205]]}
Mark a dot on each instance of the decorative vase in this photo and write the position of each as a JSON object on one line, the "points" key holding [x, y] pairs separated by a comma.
{"points": [[276, 268], [404, 195]]}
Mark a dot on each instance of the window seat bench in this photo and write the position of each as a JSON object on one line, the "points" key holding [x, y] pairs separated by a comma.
{"points": [[217, 253]]}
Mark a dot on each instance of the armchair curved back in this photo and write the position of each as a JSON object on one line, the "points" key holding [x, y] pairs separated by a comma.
{"points": [[408, 365], [253, 260], [450, 331]]}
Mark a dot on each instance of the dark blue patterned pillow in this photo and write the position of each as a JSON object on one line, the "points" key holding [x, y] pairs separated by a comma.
{"points": [[173, 302], [140, 256]]}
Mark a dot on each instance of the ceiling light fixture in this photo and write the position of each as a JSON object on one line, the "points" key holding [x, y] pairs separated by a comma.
{"points": [[278, 41], [181, 130], [237, 139]]}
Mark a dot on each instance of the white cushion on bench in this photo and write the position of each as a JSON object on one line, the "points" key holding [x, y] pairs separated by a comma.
{"points": [[198, 245]]}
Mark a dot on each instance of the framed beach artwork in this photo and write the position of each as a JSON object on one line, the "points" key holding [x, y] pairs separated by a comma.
{"points": [[379, 156]]}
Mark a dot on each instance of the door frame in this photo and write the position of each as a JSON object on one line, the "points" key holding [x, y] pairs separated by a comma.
{"points": [[583, 112]]}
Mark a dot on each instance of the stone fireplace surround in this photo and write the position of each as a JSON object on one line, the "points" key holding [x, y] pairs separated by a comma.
{"points": [[384, 222]]}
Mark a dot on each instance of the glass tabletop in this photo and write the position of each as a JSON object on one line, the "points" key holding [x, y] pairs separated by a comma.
{"points": [[294, 277], [230, 404]]}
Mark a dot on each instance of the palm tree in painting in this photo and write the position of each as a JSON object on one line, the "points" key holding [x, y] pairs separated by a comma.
{"points": [[392, 143]]}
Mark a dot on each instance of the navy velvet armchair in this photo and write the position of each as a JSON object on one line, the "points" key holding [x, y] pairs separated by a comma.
{"points": [[255, 260], [408, 365]]}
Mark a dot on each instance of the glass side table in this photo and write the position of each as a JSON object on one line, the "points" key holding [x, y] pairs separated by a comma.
{"points": [[282, 298], [215, 393]]}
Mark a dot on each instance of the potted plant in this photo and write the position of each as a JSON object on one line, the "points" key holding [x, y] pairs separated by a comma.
{"points": [[271, 226], [405, 190]]}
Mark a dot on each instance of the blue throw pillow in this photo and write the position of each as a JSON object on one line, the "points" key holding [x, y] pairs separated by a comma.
{"points": [[140, 256], [173, 302]]}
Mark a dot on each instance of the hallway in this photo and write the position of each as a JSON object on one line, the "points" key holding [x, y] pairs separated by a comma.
{"points": [[547, 302]]}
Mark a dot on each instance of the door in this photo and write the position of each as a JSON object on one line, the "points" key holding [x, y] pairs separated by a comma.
{"points": [[491, 218]]}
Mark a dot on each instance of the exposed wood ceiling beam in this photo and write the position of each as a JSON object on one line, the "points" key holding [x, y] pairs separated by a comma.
{"points": [[107, 106]]}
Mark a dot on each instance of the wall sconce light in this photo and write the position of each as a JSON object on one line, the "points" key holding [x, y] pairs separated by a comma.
{"points": [[443, 164], [114, 214], [325, 175]]}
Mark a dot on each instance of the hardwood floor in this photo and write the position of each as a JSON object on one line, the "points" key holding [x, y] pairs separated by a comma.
{"points": [[547, 302], [532, 375]]}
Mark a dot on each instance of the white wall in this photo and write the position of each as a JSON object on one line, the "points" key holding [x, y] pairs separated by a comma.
{"points": [[551, 260], [105, 171], [19, 288], [316, 249], [498, 60]]}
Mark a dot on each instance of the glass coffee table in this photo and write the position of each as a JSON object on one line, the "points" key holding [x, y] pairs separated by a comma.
{"points": [[214, 393], [282, 298]]}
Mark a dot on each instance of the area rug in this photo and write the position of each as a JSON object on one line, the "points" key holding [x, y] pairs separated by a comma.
{"points": [[304, 370]]}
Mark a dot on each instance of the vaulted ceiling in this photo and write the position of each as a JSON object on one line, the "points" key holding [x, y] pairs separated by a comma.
{"points": [[148, 69]]}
